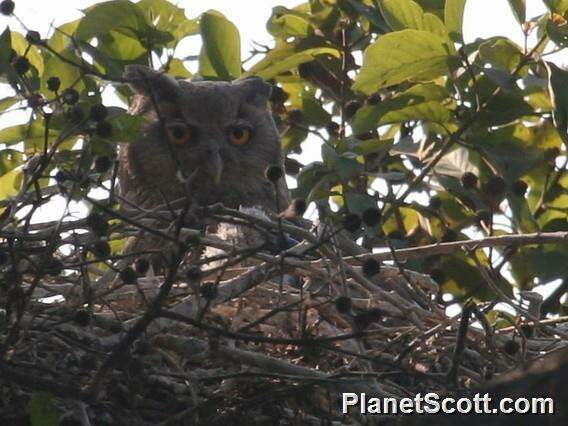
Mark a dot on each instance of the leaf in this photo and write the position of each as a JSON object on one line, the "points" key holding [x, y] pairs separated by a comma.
{"points": [[401, 56], [407, 14], [67, 73], [277, 64], [118, 15], [558, 33], [21, 46], [558, 88], [500, 53], [42, 409], [220, 56], [519, 8], [453, 17], [176, 68], [557, 6], [166, 17], [284, 23], [10, 159], [7, 102], [10, 183], [125, 127], [5, 46], [420, 102]]}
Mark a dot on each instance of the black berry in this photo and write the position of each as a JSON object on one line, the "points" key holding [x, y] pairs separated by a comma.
{"points": [[70, 96], [33, 37], [21, 64], [101, 249], [343, 304], [511, 347], [468, 180], [435, 203], [278, 95], [332, 128], [208, 290], [7, 7], [519, 188], [104, 129], [484, 216], [374, 99], [495, 186], [98, 112], [141, 265], [371, 267], [61, 176], [295, 116], [75, 115], [351, 222], [371, 217], [53, 84], [102, 163], [351, 108], [128, 276], [274, 173]]}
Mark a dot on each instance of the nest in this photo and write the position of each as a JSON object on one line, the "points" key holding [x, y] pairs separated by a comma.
{"points": [[252, 336]]}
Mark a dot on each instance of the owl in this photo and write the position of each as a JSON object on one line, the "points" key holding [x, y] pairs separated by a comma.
{"points": [[219, 136]]}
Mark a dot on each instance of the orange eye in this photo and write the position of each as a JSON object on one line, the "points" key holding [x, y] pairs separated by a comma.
{"points": [[240, 135], [179, 134]]}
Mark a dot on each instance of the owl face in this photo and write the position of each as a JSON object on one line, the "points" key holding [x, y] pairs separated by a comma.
{"points": [[219, 133]]}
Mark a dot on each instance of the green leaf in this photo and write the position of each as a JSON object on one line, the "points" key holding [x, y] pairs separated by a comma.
{"points": [[420, 102], [166, 17], [5, 46], [9, 159], [401, 56], [407, 14], [558, 33], [118, 15], [42, 410], [22, 47], [453, 17], [500, 53], [67, 73], [125, 127], [284, 23], [557, 6], [10, 183], [220, 56], [176, 68], [282, 60], [519, 8], [558, 87], [7, 102]]}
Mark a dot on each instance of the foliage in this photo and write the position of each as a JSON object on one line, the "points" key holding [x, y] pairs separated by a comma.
{"points": [[401, 106]]}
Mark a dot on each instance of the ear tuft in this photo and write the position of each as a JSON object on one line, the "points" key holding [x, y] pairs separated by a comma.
{"points": [[148, 82], [256, 90]]}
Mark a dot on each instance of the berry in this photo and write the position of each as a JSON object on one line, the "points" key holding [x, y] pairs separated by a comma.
{"points": [[33, 37], [98, 112], [299, 205], [35, 100], [98, 224], [374, 99], [435, 202], [82, 317], [21, 64], [351, 222], [208, 291], [295, 116], [343, 304], [75, 115], [495, 186], [527, 330], [371, 217], [438, 275], [53, 84], [141, 265], [278, 95], [101, 249], [332, 128], [274, 173], [104, 129], [484, 216], [519, 188], [511, 347], [449, 236], [351, 108], [193, 274], [61, 176], [70, 96], [102, 163], [128, 276], [371, 267], [7, 7], [468, 180]]}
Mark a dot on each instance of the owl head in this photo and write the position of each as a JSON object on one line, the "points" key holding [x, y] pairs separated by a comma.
{"points": [[220, 133]]}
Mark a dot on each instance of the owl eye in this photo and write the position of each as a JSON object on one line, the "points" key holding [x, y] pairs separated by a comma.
{"points": [[240, 135], [179, 133]]}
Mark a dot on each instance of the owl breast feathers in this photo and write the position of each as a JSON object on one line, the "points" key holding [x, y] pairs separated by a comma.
{"points": [[219, 136]]}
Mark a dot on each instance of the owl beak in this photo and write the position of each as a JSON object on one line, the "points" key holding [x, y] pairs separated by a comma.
{"points": [[216, 167]]}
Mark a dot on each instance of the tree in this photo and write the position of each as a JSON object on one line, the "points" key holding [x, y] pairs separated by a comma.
{"points": [[426, 142]]}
